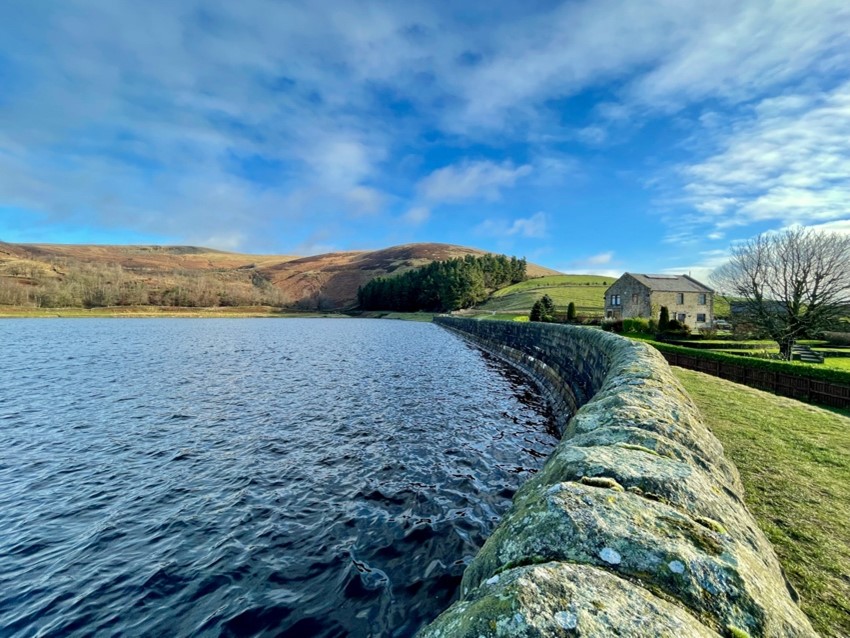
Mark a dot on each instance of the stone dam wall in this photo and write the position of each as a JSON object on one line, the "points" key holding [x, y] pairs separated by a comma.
{"points": [[636, 525]]}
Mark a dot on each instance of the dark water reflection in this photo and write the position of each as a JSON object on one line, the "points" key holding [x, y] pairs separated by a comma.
{"points": [[249, 477]]}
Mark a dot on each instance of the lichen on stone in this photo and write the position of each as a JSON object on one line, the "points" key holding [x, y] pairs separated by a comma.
{"points": [[610, 556], [630, 558]]}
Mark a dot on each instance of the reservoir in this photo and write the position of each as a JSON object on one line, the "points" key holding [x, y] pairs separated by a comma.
{"points": [[249, 477]]}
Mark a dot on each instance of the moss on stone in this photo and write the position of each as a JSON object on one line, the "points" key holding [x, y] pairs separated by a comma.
{"points": [[601, 481], [711, 524], [735, 632], [568, 556], [638, 448]]}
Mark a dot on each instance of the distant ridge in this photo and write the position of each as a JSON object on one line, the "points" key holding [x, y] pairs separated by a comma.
{"points": [[326, 281]]}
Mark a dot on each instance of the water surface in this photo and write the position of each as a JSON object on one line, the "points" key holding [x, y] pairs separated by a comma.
{"points": [[243, 477]]}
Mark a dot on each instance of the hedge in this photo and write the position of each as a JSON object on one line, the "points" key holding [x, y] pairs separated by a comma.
{"points": [[823, 374]]}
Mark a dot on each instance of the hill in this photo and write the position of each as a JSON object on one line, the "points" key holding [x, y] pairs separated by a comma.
{"points": [[585, 291], [73, 275]]}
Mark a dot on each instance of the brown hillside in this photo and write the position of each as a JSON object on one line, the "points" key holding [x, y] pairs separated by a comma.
{"points": [[327, 281]]}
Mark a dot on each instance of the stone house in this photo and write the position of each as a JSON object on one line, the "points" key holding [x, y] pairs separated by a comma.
{"points": [[636, 295]]}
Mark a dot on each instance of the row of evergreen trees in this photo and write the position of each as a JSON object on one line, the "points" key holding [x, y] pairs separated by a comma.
{"points": [[443, 285]]}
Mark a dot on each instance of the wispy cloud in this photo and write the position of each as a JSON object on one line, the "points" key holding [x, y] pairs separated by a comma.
{"points": [[601, 258], [534, 227], [598, 264], [417, 215], [265, 121], [784, 162], [471, 180]]}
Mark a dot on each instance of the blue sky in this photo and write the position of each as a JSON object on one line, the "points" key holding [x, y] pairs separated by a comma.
{"points": [[587, 136]]}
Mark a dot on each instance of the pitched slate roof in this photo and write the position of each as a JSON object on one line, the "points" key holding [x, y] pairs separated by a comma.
{"points": [[670, 283]]}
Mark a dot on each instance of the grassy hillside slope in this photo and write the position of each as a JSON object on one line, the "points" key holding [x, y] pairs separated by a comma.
{"points": [[795, 467], [585, 291], [54, 275]]}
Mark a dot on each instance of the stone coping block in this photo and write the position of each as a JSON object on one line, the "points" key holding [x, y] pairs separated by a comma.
{"points": [[636, 525]]}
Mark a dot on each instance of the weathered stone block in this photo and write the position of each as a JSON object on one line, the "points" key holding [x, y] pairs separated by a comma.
{"points": [[636, 524]]}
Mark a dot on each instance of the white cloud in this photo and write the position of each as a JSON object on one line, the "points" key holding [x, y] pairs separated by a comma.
{"points": [[666, 54], [141, 115], [593, 265], [471, 180], [534, 227], [417, 215], [784, 162], [601, 258], [365, 200], [592, 135], [840, 226]]}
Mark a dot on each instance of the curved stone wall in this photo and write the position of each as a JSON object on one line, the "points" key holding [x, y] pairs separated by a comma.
{"points": [[636, 525]]}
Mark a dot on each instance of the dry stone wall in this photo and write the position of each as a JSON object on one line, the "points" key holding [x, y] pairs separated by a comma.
{"points": [[636, 525]]}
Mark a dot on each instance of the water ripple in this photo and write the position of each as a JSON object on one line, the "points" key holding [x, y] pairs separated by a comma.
{"points": [[249, 478]]}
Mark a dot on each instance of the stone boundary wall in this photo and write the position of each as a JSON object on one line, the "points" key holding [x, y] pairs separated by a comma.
{"points": [[636, 525]]}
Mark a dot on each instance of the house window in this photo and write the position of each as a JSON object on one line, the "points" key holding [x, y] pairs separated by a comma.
{"points": [[635, 297], [703, 299], [681, 317], [615, 300], [680, 298], [700, 317]]}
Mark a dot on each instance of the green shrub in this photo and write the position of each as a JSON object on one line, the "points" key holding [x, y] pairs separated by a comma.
{"points": [[837, 338], [612, 325], [663, 318], [543, 310], [774, 365], [637, 325]]}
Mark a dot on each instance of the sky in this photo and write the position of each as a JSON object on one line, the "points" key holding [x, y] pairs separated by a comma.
{"points": [[598, 136]]}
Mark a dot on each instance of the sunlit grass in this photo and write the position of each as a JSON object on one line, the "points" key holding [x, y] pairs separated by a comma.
{"points": [[795, 465], [585, 291]]}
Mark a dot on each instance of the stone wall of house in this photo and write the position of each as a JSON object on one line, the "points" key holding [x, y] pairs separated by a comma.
{"points": [[690, 308], [636, 525], [634, 297]]}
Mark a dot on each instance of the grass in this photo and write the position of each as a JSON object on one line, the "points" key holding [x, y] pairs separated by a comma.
{"points": [[838, 363], [585, 291], [408, 316], [556, 281], [504, 316], [794, 462]]}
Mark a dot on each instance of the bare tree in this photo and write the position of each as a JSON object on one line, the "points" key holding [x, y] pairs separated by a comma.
{"points": [[792, 284]]}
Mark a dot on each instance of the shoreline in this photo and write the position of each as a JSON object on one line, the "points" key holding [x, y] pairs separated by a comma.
{"points": [[171, 312], [137, 312]]}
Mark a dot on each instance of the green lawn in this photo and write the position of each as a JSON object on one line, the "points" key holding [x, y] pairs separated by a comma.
{"points": [[794, 460], [839, 363]]}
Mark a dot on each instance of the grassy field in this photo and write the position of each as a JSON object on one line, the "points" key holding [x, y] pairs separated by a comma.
{"points": [[794, 462], [585, 291]]}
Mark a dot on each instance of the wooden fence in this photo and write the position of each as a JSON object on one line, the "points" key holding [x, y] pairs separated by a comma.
{"points": [[836, 395]]}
